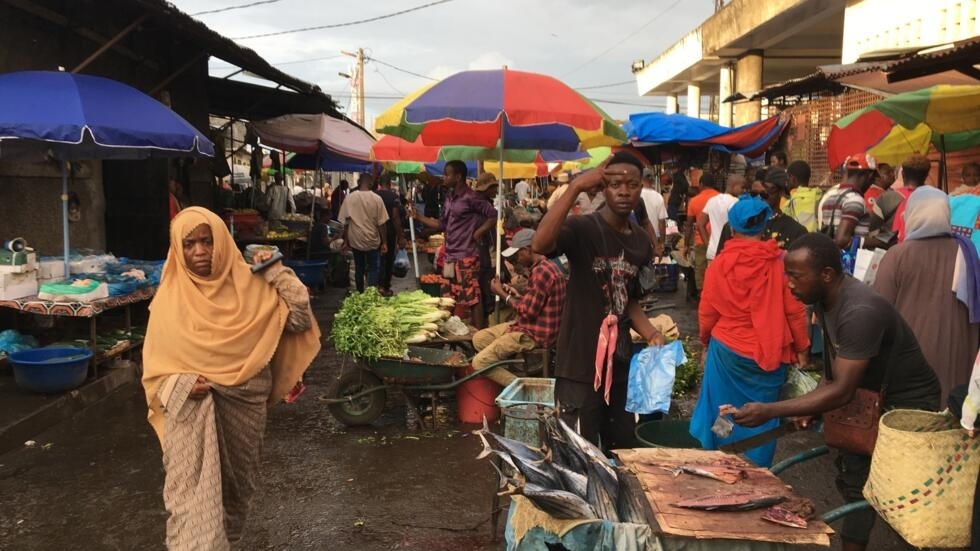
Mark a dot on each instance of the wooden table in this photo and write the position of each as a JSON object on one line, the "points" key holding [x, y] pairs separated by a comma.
{"points": [[662, 488], [90, 310]]}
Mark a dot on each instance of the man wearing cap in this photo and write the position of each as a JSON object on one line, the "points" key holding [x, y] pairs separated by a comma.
{"points": [[605, 251], [538, 310], [842, 210]]}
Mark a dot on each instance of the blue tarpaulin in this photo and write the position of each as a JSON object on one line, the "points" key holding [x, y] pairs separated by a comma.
{"points": [[660, 128]]}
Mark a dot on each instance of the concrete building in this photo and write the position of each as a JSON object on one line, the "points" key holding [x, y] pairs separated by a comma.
{"points": [[749, 44]]}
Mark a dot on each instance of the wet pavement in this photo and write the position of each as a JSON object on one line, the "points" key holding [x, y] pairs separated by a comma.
{"points": [[94, 482]]}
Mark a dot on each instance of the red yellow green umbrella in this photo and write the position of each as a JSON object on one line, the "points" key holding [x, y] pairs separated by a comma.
{"points": [[945, 116]]}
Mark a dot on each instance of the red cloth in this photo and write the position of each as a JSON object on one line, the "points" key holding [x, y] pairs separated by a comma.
{"points": [[899, 220], [871, 196], [747, 305]]}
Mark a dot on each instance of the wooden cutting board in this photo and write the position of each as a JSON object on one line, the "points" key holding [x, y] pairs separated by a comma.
{"points": [[662, 489]]}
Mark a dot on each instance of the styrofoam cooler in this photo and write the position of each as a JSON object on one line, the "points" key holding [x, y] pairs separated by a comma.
{"points": [[14, 286], [522, 403]]}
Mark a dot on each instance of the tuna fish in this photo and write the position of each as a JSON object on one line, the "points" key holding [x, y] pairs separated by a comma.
{"points": [[571, 480], [558, 503], [628, 504], [721, 473], [598, 495], [731, 502]]}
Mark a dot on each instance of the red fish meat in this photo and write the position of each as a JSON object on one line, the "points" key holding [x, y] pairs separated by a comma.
{"points": [[731, 502], [780, 515]]}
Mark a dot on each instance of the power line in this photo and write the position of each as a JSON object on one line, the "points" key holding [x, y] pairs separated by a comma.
{"points": [[406, 71], [618, 44], [239, 7], [347, 24], [388, 82], [610, 85]]}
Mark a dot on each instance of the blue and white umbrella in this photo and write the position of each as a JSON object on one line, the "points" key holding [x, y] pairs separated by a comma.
{"points": [[69, 116]]}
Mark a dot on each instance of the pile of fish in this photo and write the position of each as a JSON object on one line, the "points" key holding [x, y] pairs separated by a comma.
{"points": [[568, 477]]}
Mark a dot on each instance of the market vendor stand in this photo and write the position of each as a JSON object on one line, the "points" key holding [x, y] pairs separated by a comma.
{"points": [[90, 310], [650, 468]]}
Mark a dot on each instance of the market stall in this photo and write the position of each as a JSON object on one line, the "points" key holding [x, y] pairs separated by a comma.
{"points": [[65, 117]]}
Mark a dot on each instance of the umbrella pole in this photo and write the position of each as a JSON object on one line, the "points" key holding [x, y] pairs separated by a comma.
{"points": [[64, 212], [411, 231], [943, 177], [499, 225]]}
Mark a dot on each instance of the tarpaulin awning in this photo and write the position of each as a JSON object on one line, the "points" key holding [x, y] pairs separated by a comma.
{"points": [[660, 128], [310, 133]]}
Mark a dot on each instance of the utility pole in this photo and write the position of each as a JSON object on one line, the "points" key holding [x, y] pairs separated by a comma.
{"points": [[357, 83]]}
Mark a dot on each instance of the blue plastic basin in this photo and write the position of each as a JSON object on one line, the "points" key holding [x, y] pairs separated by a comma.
{"points": [[310, 273], [51, 369]]}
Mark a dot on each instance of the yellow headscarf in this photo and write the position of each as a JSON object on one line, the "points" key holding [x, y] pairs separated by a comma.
{"points": [[227, 326]]}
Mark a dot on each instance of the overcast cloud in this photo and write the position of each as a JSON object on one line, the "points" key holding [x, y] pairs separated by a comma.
{"points": [[569, 39]]}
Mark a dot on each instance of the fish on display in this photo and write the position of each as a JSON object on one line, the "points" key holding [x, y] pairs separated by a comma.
{"points": [[587, 451], [598, 496], [628, 503], [728, 475], [558, 503], [571, 480], [731, 502], [529, 461], [793, 512], [561, 451], [785, 517]]}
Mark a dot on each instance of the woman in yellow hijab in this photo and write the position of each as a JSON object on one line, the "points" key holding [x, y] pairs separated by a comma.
{"points": [[222, 344]]}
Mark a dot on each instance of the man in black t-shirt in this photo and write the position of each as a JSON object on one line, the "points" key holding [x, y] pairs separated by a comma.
{"points": [[868, 342], [605, 251]]}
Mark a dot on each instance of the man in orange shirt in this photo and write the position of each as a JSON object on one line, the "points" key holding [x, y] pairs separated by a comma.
{"points": [[694, 209]]}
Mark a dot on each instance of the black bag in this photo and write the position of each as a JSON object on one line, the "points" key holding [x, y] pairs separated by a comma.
{"points": [[624, 343]]}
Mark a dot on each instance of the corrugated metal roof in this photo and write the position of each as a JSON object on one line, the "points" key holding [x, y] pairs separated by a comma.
{"points": [[220, 46]]}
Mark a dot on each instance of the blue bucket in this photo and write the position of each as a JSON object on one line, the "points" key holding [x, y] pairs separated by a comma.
{"points": [[52, 369], [310, 273]]}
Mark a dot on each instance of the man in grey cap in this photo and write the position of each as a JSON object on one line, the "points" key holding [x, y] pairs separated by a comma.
{"points": [[538, 311]]}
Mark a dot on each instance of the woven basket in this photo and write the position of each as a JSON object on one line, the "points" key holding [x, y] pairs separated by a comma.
{"points": [[923, 477]]}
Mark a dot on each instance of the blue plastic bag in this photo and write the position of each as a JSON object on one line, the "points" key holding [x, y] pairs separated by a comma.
{"points": [[401, 266], [651, 380]]}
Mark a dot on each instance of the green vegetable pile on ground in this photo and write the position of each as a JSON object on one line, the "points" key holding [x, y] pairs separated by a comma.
{"points": [[369, 326]]}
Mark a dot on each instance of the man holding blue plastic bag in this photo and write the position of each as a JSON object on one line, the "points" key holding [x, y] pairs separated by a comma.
{"points": [[605, 251]]}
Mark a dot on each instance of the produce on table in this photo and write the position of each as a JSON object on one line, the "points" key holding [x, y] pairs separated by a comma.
{"points": [[370, 326], [433, 278], [296, 217]]}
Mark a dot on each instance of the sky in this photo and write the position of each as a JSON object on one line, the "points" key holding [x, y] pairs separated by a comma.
{"points": [[588, 44]]}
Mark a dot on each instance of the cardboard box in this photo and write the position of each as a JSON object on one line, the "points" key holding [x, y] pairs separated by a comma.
{"points": [[14, 286], [17, 263]]}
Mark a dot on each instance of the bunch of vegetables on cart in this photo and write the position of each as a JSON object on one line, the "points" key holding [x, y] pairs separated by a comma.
{"points": [[370, 326]]}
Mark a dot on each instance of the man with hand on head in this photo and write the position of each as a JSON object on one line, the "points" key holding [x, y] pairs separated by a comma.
{"points": [[605, 251]]}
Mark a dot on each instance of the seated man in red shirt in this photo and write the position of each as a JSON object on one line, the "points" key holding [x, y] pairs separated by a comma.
{"points": [[538, 311]]}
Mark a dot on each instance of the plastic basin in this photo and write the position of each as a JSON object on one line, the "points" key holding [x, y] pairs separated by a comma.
{"points": [[310, 273], [666, 433], [52, 369]]}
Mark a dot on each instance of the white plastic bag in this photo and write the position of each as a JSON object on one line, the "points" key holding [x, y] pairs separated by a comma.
{"points": [[651, 379]]}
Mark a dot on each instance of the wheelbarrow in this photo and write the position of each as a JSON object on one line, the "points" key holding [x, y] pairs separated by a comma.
{"points": [[359, 395]]}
